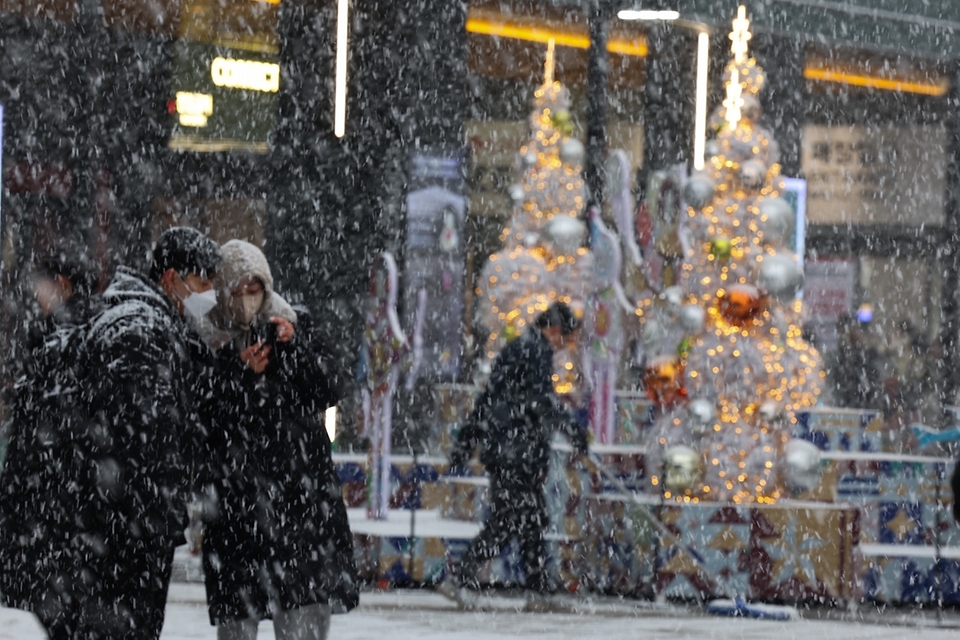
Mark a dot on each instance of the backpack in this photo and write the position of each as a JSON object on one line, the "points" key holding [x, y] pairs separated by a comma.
{"points": [[39, 497]]}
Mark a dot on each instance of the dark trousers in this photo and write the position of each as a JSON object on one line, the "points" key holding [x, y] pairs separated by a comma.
{"points": [[518, 511], [60, 621], [123, 597]]}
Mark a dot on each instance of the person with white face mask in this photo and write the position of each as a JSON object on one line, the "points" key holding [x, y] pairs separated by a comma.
{"points": [[276, 541], [133, 443]]}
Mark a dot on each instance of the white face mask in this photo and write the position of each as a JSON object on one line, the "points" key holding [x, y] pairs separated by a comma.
{"points": [[248, 308], [197, 305]]}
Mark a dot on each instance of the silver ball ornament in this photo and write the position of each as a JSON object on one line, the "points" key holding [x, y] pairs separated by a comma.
{"points": [[572, 152], [769, 411], [776, 220], [530, 159], [780, 276], [682, 468], [692, 318], [739, 150], [750, 110], [516, 193], [652, 336], [673, 297], [698, 191], [711, 149], [752, 174], [565, 234], [800, 466], [703, 414]]}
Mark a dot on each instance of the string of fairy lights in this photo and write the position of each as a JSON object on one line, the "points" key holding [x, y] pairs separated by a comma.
{"points": [[542, 260], [741, 368], [728, 365]]}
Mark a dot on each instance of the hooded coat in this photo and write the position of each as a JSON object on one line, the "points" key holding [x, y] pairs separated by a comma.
{"points": [[276, 532]]}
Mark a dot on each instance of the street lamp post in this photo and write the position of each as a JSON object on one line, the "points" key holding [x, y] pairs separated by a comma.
{"points": [[598, 65]]}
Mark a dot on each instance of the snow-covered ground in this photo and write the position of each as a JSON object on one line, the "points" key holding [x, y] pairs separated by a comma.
{"points": [[427, 616]]}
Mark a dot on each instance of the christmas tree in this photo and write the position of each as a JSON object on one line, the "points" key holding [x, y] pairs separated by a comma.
{"points": [[732, 365], [542, 260]]}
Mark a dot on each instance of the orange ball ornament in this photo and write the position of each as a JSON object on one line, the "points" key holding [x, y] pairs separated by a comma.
{"points": [[740, 303], [663, 381]]}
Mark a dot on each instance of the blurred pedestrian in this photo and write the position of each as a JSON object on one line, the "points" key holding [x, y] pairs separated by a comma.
{"points": [[141, 432], [277, 542], [513, 423], [35, 495], [856, 368], [63, 285]]}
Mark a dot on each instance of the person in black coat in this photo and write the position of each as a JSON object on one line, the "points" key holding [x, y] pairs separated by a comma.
{"points": [[513, 422], [130, 434], [63, 286], [276, 541], [34, 489]]}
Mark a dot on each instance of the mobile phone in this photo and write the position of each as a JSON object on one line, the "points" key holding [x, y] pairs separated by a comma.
{"points": [[267, 333]]}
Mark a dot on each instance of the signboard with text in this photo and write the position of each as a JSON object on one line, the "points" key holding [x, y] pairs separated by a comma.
{"points": [[222, 98], [875, 175]]}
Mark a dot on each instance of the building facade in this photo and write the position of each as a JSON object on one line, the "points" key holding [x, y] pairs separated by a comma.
{"points": [[259, 120]]}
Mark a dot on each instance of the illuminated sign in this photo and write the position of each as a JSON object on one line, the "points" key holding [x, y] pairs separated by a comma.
{"points": [[194, 108], [245, 74]]}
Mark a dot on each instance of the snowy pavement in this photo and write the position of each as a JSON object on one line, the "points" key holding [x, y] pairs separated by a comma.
{"points": [[421, 615]]}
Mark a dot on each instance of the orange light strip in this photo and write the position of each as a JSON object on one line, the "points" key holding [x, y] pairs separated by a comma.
{"points": [[638, 48], [572, 39], [873, 82]]}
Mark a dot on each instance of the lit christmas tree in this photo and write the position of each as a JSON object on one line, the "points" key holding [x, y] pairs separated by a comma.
{"points": [[542, 260], [732, 365]]}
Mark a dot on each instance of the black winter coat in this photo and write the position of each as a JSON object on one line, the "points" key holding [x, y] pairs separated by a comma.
{"points": [[116, 474], [38, 497], [143, 423], [514, 418], [276, 533]]}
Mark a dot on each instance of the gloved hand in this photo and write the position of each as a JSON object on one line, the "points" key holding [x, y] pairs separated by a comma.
{"points": [[458, 462]]}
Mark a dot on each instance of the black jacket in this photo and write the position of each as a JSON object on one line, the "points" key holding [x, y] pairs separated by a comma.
{"points": [[39, 503], [276, 532], [142, 422], [514, 418]]}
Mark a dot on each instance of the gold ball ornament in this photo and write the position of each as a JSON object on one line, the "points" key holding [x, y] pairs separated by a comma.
{"points": [[683, 468]]}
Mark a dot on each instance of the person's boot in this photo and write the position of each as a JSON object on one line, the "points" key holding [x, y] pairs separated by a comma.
{"points": [[449, 586], [452, 588]]}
